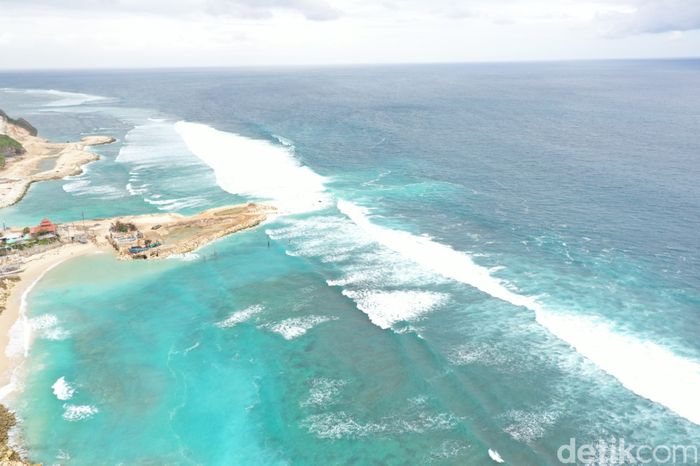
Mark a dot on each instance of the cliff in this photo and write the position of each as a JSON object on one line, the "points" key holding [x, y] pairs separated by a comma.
{"points": [[21, 122]]}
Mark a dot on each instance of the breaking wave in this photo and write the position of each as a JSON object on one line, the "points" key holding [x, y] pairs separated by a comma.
{"points": [[62, 389], [646, 368], [386, 308], [60, 98], [78, 412], [240, 316], [297, 326], [256, 168], [323, 392], [340, 425]]}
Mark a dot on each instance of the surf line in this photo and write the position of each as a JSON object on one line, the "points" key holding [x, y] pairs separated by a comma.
{"points": [[647, 369]]}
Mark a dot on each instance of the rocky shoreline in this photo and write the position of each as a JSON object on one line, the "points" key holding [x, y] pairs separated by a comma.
{"points": [[21, 170], [175, 233], [154, 236], [8, 456]]}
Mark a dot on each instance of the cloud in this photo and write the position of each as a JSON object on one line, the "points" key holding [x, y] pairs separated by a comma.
{"points": [[316, 10], [653, 17]]}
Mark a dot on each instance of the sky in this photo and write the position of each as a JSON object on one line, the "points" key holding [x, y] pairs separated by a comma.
{"points": [[46, 34]]}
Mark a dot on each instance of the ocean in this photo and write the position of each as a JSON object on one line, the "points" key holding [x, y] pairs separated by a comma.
{"points": [[473, 263]]}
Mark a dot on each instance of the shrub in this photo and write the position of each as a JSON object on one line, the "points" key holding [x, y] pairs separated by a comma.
{"points": [[9, 146], [122, 227]]}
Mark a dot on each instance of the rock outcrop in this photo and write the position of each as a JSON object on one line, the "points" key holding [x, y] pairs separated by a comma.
{"points": [[21, 122], [8, 456], [9, 147]]}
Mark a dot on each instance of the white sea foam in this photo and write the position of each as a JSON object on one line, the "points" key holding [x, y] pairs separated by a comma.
{"points": [[60, 98], [448, 449], [76, 185], [46, 326], [367, 271], [84, 187], [78, 412], [20, 334], [494, 455], [186, 257], [338, 240], [55, 333], [340, 425], [192, 348], [152, 144], [21, 330], [62, 389], [646, 368], [528, 426], [70, 99], [43, 321], [176, 204], [136, 190], [240, 316], [284, 141], [153, 147], [440, 258], [479, 353], [297, 326], [385, 308], [323, 392], [256, 168]]}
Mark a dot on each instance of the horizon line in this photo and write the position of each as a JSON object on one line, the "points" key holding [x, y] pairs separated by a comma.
{"points": [[349, 65]]}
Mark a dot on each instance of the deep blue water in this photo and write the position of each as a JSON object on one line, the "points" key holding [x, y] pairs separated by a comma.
{"points": [[502, 257]]}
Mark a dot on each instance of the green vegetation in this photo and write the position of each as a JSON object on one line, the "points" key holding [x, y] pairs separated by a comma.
{"points": [[122, 227], [28, 244], [9, 146]]}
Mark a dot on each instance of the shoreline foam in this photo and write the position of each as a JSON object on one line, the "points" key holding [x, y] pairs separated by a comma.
{"points": [[16, 307], [12, 315], [21, 171]]}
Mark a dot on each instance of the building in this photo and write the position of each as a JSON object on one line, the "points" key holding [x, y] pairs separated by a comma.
{"points": [[10, 238], [44, 227]]}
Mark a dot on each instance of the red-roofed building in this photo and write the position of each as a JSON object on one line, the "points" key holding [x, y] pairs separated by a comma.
{"points": [[44, 227]]}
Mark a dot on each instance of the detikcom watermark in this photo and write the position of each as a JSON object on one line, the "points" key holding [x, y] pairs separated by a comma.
{"points": [[615, 452]]}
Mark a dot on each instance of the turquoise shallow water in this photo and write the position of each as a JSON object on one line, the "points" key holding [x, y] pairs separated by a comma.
{"points": [[498, 257]]}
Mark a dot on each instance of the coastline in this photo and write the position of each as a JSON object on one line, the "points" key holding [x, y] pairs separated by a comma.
{"points": [[23, 170], [193, 232], [33, 272], [149, 236], [11, 311], [202, 229]]}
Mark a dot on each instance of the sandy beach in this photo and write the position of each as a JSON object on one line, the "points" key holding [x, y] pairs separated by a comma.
{"points": [[175, 233], [34, 269], [179, 234], [151, 236], [66, 159]]}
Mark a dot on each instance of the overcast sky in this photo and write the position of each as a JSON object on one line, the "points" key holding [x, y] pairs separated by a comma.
{"points": [[161, 33]]}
